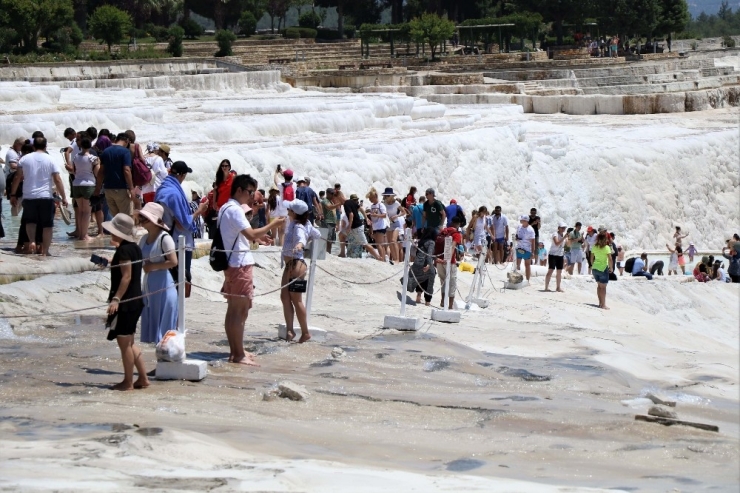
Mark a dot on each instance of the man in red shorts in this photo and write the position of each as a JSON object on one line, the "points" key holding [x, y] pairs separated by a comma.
{"points": [[238, 287]]}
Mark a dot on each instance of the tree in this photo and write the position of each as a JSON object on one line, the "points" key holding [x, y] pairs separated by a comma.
{"points": [[675, 16], [224, 38], [276, 9], [174, 47], [432, 29], [191, 28], [309, 19], [725, 11], [110, 25], [33, 18], [247, 23]]}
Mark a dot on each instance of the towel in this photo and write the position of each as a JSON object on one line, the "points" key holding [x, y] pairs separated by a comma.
{"points": [[171, 195]]}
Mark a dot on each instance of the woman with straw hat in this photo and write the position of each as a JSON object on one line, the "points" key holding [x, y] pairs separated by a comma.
{"points": [[158, 250], [124, 301]]}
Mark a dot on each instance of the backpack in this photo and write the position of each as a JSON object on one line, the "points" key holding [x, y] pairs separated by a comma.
{"points": [[461, 215], [288, 192], [141, 174], [439, 243], [629, 264], [218, 259]]}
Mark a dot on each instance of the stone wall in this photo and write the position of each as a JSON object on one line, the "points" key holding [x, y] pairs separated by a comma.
{"points": [[454, 79]]}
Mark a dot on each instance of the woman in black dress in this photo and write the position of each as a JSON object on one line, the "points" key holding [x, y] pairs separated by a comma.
{"points": [[124, 301]]}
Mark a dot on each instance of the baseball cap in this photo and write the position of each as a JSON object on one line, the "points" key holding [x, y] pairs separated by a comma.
{"points": [[589, 229], [561, 224], [430, 191], [353, 196], [453, 201], [180, 168], [288, 173], [524, 217], [298, 206]]}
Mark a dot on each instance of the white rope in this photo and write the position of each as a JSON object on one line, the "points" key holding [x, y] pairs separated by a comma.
{"points": [[359, 283], [242, 295], [67, 312]]}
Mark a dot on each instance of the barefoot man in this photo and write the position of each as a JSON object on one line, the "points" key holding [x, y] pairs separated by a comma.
{"points": [[238, 287]]}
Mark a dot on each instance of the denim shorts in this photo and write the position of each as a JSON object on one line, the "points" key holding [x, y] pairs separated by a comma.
{"points": [[523, 254], [602, 277]]}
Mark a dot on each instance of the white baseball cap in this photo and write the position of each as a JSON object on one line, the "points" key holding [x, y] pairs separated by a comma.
{"points": [[297, 206]]}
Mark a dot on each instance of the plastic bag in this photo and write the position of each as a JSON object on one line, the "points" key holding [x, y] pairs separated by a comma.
{"points": [[171, 347]]}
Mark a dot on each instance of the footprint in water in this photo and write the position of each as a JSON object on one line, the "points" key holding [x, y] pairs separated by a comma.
{"points": [[462, 465]]}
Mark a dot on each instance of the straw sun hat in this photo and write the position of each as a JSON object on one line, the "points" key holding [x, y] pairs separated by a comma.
{"points": [[154, 213], [121, 226]]}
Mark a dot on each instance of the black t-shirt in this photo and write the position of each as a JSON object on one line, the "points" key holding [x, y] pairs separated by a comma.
{"points": [[351, 206], [131, 252], [535, 225], [434, 210]]}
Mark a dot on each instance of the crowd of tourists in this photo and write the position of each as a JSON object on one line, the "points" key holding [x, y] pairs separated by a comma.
{"points": [[134, 193]]}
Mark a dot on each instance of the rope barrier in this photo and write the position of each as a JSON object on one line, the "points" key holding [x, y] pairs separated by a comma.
{"points": [[359, 283], [241, 295], [67, 312]]}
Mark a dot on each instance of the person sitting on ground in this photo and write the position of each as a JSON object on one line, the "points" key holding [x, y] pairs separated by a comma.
{"points": [[718, 273], [422, 269], [640, 269], [702, 275], [454, 232], [124, 300], [297, 235]]}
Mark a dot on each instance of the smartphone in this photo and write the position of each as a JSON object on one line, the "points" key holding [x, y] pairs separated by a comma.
{"points": [[98, 260]]}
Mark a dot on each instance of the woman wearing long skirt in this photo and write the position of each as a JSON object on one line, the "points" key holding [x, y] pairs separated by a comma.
{"points": [[158, 250]]}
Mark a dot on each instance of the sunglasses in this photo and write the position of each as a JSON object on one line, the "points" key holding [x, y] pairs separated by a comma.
{"points": [[226, 166]]}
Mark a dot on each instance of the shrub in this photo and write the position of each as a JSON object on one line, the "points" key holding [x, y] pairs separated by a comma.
{"points": [[64, 40], [327, 34], [224, 38], [159, 33], [299, 32], [8, 38], [192, 29], [728, 41], [174, 47], [309, 19], [137, 33], [247, 23], [109, 24], [694, 45]]}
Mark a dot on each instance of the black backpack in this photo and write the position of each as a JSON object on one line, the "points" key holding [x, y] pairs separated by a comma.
{"points": [[629, 264], [218, 259], [461, 215]]}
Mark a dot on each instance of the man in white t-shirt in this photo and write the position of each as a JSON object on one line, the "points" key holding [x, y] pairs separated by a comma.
{"points": [[39, 175], [590, 242], [13, 156], [525, 244], [499, 231], [238, 287]]}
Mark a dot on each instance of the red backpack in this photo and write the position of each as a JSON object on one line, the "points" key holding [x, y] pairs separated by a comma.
{"points": [[288, 192], [141, 174]]}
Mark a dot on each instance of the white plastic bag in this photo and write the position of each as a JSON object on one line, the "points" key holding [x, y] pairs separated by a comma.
{"points": [[171, 347]]}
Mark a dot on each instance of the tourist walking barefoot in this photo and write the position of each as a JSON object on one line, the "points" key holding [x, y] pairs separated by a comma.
{"points": [[620, 259], [601, 265], [422, 268], [238, 288], [555, 257], [396, 220], [477, 228], [379, 217], [525, 245], [356, 237], [85, 169], [691, 251], [158, 250], [499, 230], [124, 300], [297, 235], [673, 262]]}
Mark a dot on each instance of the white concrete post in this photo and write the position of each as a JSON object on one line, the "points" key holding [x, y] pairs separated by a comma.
{"points": [[406, 260], [181, 284], [448, 259], [311, 278]]}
